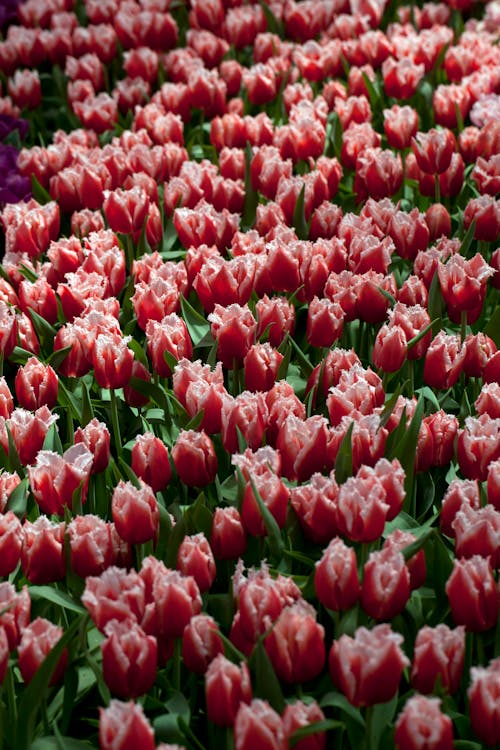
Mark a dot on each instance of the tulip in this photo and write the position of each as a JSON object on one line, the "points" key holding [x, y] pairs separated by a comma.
{"points": [[336, 579], [315, 504], [439, 655], [227, 687], [129, 659], [397, 541], [483, 702], [16, 609], [150, 461], [298, 715], [472, 593], [124, 726], [386, 584], [421, 724], [201, 643], [91, 545], [368, 667], [96, 437], [478, 445], [477, 532], [296, 645], [114, 595], [195, 558], [194, 458], [37, 641], [258, 725], [135, 512], [228, 538], [42, 553]]}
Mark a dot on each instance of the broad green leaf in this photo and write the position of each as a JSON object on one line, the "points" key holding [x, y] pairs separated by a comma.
{"points": [[42, 327], [20, 356], [197, 325], [55, 596], [337, 700], [467, 240], [18, 499], [58, 356], [315, 728], [40, 194], [273, 530], [52, 441], [492, 327], [266, 684], [299, 216], [343, 462], [59, 743], [382, 716]]}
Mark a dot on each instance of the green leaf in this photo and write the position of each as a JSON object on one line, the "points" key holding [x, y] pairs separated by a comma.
{"points": [[467, 240], [406, 450], [382, 716], [299, 215], [337, 700], [197, 325], [274, 537], [69, 400], [251, 196], [139, 352], [303, 362], [40, 194], [129, 473], [389, 406], [58, 356], [420, 335], [20, 356], [55, 596], [492, 327], [343, 462], [52, 440], [42, 327], [18, 499], [272, 23], [59, 743], [411, 549], [87, 408], [315, 728], [266, 684]]}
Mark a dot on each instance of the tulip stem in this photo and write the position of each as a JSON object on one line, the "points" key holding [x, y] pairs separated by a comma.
{"points": [[368, 727], [129, 252], [115, 422], [463, 325], [177, 663], [437, 188]]}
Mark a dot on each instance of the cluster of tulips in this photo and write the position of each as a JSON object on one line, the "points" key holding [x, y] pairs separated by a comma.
{"points": [[250, 376]]}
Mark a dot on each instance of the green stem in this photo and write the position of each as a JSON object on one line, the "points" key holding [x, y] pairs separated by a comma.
{"points": [[463, 325], [129, 252], [115, 423], [368, 727], [437, 188], [177, 663]]}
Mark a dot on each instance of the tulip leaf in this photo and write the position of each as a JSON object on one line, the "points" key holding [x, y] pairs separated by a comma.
{"points": [[59, 743], [388, 407], [198, 327], [272, 23], [87, 408], [343, 462], [420, 335], [411, 549], [492, 327], [303, 362], [251, 196], [406, 450], [382, 716], [315, 728], [68, 399], [40, 194], [55, 596], [128, 472], [58, 356], [140, 354], [299, 215], [52, 441], [18, 499], [275, 539], [42, 327], [267, 686], [338, 700], [20, 356], [467, 240]]}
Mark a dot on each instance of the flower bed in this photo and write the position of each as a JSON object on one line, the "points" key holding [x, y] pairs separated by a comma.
{"points": [[250, 391]]}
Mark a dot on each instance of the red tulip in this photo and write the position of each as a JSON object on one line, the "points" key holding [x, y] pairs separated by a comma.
{"points": [[315, 504], [483, 702], [477, 532], [96, 437], [16, 609], [37, 641], [228, 538], [296, 645], [472, 593], [336, 579], [368, 667], [443, 361], [195, 558], [421, 724], [129, 659], [114, 595], [135, 512], [42, 554], [434, 149], [478, 445], [386, 589], [258, 725], [201, 643], [150, 461], [298, 715], [233, 328], [91, 545], [124, 726], [54, 479], [439, 655], [227, 687]]}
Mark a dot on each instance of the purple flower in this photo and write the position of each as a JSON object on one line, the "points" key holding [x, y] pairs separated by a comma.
{"points": [[13, 186], [8, 11], [9, 123]]}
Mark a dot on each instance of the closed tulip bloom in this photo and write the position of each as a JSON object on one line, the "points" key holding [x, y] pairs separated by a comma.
{"points": [[261, 366], [433, 150], [336, 579], [386, 584], [463, 284], [228, 538], [409, 232], [124, 726], [175, 599], [302, 443], [438, 220], [298, 715], [472, 593], [483, 694], [10, 542], [248, 412], [379, 173], [194, 458], [488, 401], [390, 348], [91, 545], [227, 687], [397, 541], [114, 595], [129, 659], [276, 316], [201, 643], [479, 348], [477, 532], [195, 558], [362, 509], [459, 491], [485, 211], [96, 437], [16, 609], [315, 504], [444, 361], [150, 461], [368, 667], [259, 604], [296, 644], [258, 725], [444, 430], [28, 430], [493, 484], [400, 124], [478, 445], [135, 511], [42, 553], [439, 655], [36, 385], [233, 328], [37, 641], [54, 479], [274, 494], [422, 726], [168, 336]]}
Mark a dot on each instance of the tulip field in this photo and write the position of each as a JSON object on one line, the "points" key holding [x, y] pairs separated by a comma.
{"points": [[249, 375]]}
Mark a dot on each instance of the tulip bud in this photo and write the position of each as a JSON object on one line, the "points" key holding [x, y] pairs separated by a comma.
{"points": [[298, 715], [472, 593], [195, 558], [16, 608], [42, 554], [201, 643], [386, 584], [37, 641], [336, 579], [483, 702], [124, 726], [11, 536], [95, 435], [422, 724], [194, 458], [227, 687], [36, 385], [296, 644], [135, 512], [228, 538], [150, 461], [129, 659], [258, 725], [439, 655]]}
